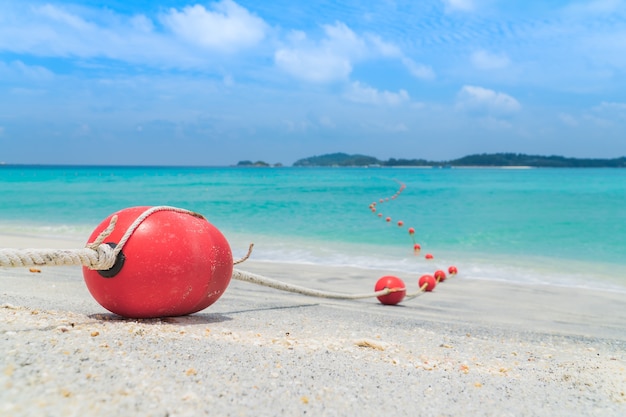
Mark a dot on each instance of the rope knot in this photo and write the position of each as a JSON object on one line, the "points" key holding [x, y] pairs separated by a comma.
{"points": [[105, 257]]}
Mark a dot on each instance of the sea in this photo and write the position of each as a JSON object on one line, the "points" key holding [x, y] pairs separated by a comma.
{"points": [[560, 227]]}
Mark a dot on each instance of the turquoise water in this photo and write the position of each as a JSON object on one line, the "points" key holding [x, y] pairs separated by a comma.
{"points": [[555, 226]]}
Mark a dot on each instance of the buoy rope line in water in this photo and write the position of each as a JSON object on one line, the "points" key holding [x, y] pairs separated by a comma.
{"points": [[428, 282], [102, 257]]}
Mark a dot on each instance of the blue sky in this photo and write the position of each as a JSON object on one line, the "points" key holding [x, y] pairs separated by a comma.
{"points": [[211, 83]]}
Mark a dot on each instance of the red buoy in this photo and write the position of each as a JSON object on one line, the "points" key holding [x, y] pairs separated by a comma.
{"points": [[440, 275], [411, 231], [394, 283], [388, 219], [429, 256], [452, 270], [429, 281], [173, 264], [417, 247], [400, 223]]}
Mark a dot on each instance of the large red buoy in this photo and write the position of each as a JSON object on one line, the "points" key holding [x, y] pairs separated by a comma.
{"points": [[394, 283], [174, 263]]}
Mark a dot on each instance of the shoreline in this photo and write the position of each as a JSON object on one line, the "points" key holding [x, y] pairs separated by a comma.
{"points": [[457, 302], [469, 347], [516, 275]]}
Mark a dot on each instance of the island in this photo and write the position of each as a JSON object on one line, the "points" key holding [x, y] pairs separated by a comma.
{"points": [[257, 164], [477, 160]]}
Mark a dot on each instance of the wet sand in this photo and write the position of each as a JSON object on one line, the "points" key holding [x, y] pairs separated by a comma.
{"points": [[471, 347]]}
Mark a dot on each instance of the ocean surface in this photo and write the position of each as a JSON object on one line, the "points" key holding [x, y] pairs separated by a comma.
{"points": [[532, 226]]}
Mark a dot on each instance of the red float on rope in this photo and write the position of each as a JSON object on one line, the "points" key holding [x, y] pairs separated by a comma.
{"points": [[173, 264], [452, 270], [429, 256], [429, 281], [440, 276], [393, 283]]}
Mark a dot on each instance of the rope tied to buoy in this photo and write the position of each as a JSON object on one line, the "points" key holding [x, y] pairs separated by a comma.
{"points": [[283, 286], [96, 255]]}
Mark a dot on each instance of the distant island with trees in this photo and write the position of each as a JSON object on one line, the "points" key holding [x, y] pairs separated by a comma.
{"points": [[477, 160]]}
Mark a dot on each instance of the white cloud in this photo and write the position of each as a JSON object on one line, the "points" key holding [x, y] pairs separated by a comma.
{"points": [[421, 71], [179, 41], [608, 114], [316, 65], [228, 27], [483, 101], [361, 93], [66, 19], [568, 119], [611, 107], [390, 50], [387, 49], [594, 7], [327, 122], [333, 57], [487, 61], [328, 60], [17, 69], [459, 5], [141, 23]]}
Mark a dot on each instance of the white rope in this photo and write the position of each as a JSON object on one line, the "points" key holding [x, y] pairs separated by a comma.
{"points": [[96, 255], [422, 290], [92, 258], [283, 286]]}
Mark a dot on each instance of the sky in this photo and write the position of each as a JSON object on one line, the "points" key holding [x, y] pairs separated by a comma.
{"points": [[171, 82]]}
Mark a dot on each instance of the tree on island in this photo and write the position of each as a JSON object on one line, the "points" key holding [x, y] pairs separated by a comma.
{"points": [[478, 160], [257, 164]]}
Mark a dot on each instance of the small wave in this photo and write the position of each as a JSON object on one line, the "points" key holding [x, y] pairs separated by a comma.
{"points": [[514, 269]]}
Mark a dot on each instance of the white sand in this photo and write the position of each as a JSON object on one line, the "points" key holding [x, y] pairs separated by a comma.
{"points": [[469, 348]]}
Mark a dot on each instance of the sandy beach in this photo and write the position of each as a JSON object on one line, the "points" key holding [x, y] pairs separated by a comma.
{"points": [[471, 347]]}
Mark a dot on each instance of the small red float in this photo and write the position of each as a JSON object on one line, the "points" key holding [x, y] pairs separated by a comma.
{"points": [[411, 231], [452, 270], [393, 283], [440, 275], [428, 282], [429, 256], [400, 223], [417, 247], [388, 219], [173, 264]]}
